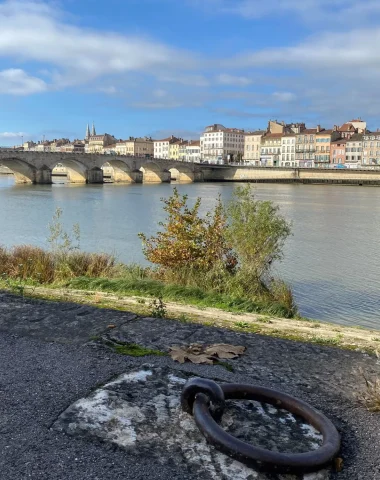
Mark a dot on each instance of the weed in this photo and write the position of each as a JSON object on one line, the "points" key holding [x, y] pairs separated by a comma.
{"points": [[225, 365], [158, 308], [370, 396], [242, 324], [134, 350], [184, 318], [315, 325]]}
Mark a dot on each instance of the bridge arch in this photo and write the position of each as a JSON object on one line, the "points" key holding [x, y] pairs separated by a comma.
{"points": [[77, 172], [153, 173], [121, 172], [23, 171], [181, 173]]}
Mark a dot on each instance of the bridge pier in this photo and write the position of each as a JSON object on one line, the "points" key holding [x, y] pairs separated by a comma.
{"points": [[95, 175], [43, 176]]}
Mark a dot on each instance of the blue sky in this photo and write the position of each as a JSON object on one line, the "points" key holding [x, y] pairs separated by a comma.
{"points": [[156, 67]]}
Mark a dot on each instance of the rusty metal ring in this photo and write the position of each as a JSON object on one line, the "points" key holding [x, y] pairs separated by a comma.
{"points": [[260, 457], [213, 391]]}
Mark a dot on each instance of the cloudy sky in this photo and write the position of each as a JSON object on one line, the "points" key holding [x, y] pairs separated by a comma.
{"points": [[155, 67]]}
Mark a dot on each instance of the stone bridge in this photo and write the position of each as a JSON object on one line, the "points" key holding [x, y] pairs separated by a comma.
{"points": [[36, 167]]}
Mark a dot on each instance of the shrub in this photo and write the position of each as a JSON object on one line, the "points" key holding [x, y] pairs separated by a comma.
{"points": [[189, 242]]}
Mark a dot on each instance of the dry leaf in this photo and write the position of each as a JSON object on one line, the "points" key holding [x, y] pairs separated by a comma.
{"points": [[111, 326], [223, 350], [178, 354], [197, 353]]}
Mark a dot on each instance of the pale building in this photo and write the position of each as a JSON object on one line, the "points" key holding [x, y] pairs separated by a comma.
{"points": [[305, 147], [161, 147], [270, 154], [288, 148], [252, 147], [182, 151], [354, 151], [222, 145], [359, 124], [371, 148], [193, 151], [136, 147], [98, 143]]}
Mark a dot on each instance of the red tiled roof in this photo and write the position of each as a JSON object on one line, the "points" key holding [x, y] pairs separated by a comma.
{"points": [[346, 127]]}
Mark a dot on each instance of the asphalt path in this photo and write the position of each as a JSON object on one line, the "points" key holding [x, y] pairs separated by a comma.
{"points": [[47, 362]]}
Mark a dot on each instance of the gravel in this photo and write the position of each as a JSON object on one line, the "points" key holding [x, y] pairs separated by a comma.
{"points": [[47, 363]]}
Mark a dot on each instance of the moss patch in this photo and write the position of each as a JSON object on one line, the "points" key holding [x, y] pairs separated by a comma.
{"points": [[134, 350]]}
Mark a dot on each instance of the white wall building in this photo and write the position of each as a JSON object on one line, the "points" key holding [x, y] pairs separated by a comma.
{"points": [[288, 147], [161, 147], [222, 145], [193, 151]]}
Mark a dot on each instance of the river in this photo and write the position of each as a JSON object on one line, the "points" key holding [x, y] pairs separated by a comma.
{"points": [[332, 260]]}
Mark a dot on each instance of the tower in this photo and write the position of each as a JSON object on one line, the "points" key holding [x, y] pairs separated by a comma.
{"points": [[88, 132], [93, 131]]}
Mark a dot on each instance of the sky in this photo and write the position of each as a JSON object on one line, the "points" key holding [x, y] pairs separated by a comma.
{"points": [[162, 67]]}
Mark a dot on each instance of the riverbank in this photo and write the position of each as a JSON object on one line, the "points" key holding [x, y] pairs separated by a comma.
{"points": [[57, 351], [297, 329]]}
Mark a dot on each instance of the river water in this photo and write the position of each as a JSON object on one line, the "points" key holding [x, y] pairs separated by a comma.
{"points": [[332, 260]]}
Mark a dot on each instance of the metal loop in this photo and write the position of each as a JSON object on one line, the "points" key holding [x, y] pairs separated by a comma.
{"points": [[213, 393], [257, 456]]}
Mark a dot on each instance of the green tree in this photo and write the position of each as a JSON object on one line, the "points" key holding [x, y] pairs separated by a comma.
{"points": [[257, 233]]}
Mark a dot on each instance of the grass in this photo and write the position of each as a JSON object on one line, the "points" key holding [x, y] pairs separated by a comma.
{"points": [[134, 350], [177, 293]]}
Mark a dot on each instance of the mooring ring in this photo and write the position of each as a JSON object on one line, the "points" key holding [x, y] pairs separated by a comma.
{"points": [[260, 457]]}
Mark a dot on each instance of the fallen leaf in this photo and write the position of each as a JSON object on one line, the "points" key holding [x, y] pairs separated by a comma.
{"points": [[178, 354], [197, 353], [111, 326], [223, 350]]}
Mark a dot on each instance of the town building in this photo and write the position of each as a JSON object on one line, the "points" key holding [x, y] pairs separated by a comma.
{"points": [[338, 151], [323, 139], [252, 147], [288, 146], [371, 148], [270, 154], [354, 151], [182, 150], [136, 147], [305, 146], [346, 130], [222, 145], [359, 124], [161, 147], [193, 151]]}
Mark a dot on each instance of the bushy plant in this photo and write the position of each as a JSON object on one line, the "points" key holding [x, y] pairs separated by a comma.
{"points": [[188, 241], [257, 233]]}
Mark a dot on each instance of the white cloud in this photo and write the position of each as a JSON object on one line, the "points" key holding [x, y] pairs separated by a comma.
{"points": [[12, 135], [311, 11], [226, 79], [37, 32], [15, 81]]}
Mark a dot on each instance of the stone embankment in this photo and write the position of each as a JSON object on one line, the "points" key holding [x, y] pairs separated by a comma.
{"points": [[72, 408]]}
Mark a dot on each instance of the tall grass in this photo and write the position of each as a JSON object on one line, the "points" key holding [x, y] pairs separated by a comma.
{"points": [[26, 262]]}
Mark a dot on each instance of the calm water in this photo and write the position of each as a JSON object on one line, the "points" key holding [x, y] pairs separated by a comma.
{"points": [[332, 261]]}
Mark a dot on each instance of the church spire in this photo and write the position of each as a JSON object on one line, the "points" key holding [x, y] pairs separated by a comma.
{"points": [[93, 132], [88, 132]]}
